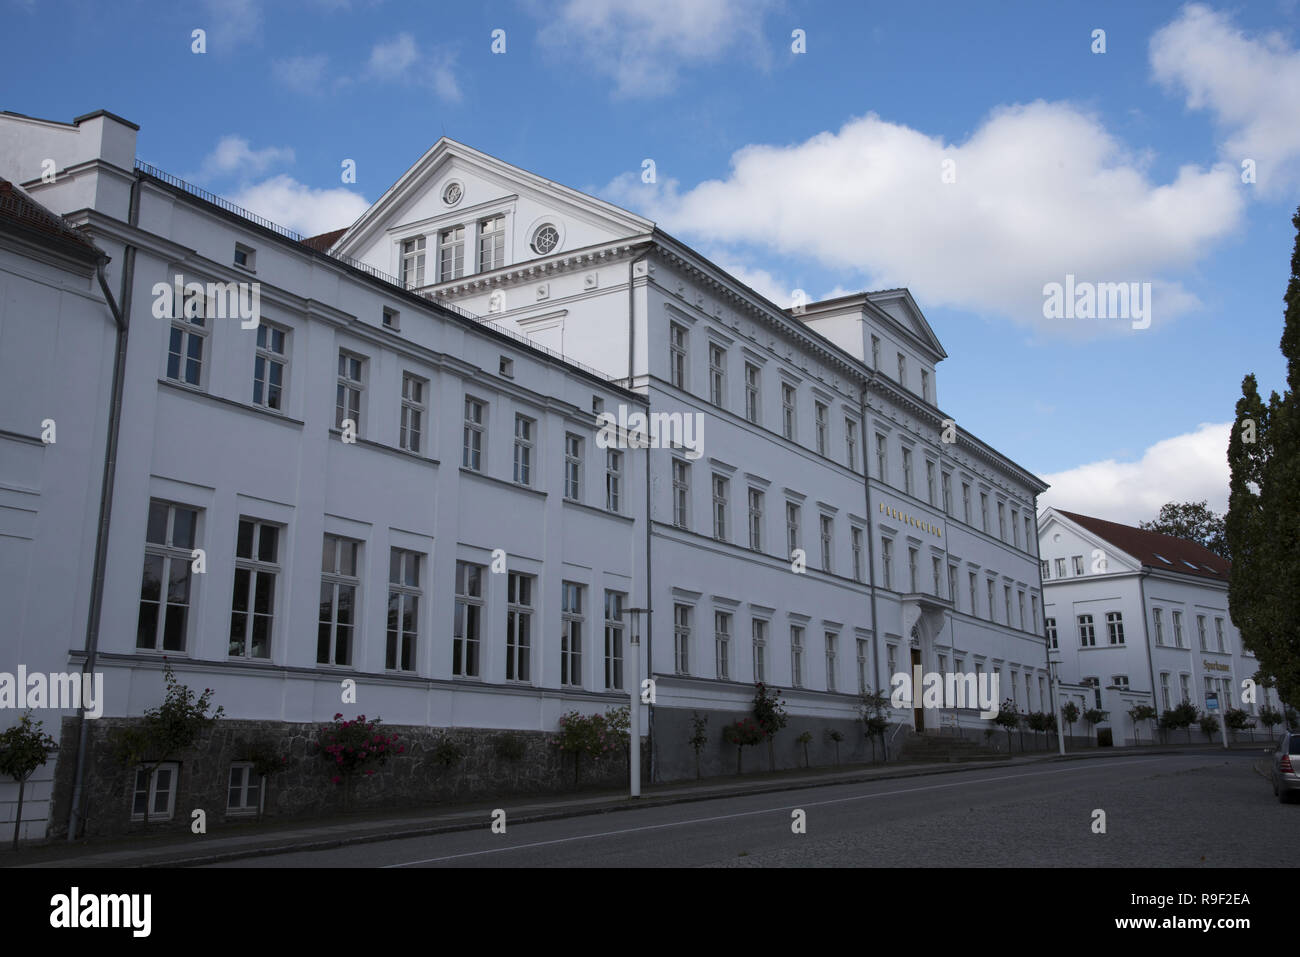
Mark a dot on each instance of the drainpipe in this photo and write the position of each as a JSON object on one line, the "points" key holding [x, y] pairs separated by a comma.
{"points": [[1146, 639], [649, 566], [121, 317], [871, 540]]}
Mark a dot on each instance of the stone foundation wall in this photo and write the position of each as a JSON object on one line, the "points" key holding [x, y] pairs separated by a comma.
{"points": [[412, 780]]}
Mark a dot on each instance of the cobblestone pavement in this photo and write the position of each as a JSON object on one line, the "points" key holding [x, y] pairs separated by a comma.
{"points": [[1210, 809]]}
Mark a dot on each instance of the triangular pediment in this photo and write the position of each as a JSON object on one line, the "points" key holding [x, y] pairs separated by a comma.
{"points": [[455, 185], [899, 306]]}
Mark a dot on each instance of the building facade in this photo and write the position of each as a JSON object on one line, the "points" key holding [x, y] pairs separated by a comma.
{"points": [[1141, 618], [437, 455]]}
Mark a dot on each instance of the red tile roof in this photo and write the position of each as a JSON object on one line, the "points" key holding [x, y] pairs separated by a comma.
{"points": [[1164, 552], [18, 209], [324, 241]]}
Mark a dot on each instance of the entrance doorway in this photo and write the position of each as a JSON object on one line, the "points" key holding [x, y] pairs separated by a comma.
{"points": [[918, 713]]}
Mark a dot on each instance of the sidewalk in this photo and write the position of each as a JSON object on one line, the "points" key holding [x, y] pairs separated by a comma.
{"points": [[228, 843]]}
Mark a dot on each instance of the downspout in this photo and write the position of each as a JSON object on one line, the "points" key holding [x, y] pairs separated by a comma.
{"points": [[871, 540], [121, 317], [649, 566], [1146, 639]]}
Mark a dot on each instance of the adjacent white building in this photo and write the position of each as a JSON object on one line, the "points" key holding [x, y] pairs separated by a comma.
{"points": [[1142, 618], [394, 470]]}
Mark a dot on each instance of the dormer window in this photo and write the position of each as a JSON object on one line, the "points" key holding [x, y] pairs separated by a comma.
{"points": [[491, 243], [413, 262], [451, 253], [545, 239]]}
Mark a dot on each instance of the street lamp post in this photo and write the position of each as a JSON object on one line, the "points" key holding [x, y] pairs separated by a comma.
{"points": [[634, 692], [1056, 703]]}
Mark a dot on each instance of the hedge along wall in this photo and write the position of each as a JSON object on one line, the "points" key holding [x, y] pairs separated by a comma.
{"points": [[415, 779]]}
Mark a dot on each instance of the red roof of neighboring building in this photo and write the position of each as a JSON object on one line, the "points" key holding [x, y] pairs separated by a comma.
{"points": [[18, 209], [1155, 549], [324, 241]]}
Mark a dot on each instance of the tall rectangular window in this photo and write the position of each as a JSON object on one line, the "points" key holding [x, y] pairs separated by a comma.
{"points": [[929, 482], [989, 594], [859, 565], [1006, 596], [974, 595], [965, 502], [1078, 564], [404, 595], [571, 624], [1029, 534], [1164, 690], [1218, 633], [413, 262], [756, 519], [862, 665], [472, 436], [1060, 568], [1115, 627], [717, 375], [925, 384], [1020, 608], [491, 243], [1178, 629], [902, 370], [270, 366], [936, 575], [1201, 633], [753, 403], [984, 512], [796, 656], [887, 562], [821, 426], [946, 483], [467, 625], [758, 631], [831, 640], [827, 529], [681, 493], [677, 355], [788, 410], [1015, 527], [451, 253], [614, 602], [519, 626], [907, 470], [851, 444], [524, 430], [252, 607], [340, 581], [1033, 603], [1158, 624], [411, 427], [722, 644], [911, 571], [1002, 521], [163, 622], [953, 586], [347, 393], [572, 467], [882, 458], [791, 527], [613, 480], [1049, 625], [720, 492], [682, 639], [1087, 636]]}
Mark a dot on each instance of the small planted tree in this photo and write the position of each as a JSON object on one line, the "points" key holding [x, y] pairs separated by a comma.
{"points": [[1070, 712], [699, 737], [743, 734], [1094, 717], [23, 749], [1270, 718], [769, 715], [1209, 725], [593, 735], [875, 719], [805, 739], [836, 737], [1141, 712], [1183, 716], [1237, 719], [1007, 719], [354, 749], [165, 730], [1036, 721]]}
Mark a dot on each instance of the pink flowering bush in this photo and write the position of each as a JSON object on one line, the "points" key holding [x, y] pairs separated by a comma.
{"points": [[355, 748]]}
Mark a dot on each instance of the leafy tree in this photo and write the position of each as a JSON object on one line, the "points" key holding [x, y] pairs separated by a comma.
{"points": [[1007, 718], [23, 748], [1070, 712], [1141, 712], [1182, 716], [1270, 717], [805, 739], [769, 714], [699, 737], [1237, 719], [875, 719], [1209, 725], [1264, 511], [1194, 522], [743, 733], [165, 730], [836, 736], [1094, 717]]}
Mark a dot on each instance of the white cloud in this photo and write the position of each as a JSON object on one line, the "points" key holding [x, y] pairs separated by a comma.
{"points": [[1042, 190], [1250, 85], [232, 22], [305, 74], [400, 61], [287, 202], [234, 157], [1186, 468], [642, 44]]}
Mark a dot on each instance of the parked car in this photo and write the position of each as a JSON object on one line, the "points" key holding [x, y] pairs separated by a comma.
{"points": [[1286, 767]]}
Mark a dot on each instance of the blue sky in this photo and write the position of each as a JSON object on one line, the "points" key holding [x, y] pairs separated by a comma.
{"points": [[818, 171]]}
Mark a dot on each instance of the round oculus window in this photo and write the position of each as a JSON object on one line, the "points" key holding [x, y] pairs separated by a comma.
{"points": [[546, 239], [452, 193]]}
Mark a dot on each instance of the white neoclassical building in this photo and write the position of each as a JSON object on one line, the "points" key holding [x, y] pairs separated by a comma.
{"points": [[1142, 618], [394, 465]]}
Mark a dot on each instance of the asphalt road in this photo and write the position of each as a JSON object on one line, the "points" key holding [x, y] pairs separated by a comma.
{"points": [[1209, 810]]}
